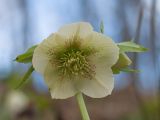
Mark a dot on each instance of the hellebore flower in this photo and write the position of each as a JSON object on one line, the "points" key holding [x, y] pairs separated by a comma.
{"points": [[77, 59]]}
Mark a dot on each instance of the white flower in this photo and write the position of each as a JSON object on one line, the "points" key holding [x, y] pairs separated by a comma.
{"points": [[77, 59], [16, 102]]}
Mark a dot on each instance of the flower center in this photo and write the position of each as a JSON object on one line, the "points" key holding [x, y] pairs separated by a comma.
{"points": [[72, 61]]}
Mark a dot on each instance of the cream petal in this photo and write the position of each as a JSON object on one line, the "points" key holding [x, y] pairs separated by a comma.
{"points": [[60, 88], [39, 60], [99, 87], [70, 30], [106, 56], [53, 40], [105, 77], [63, 90], [107, 51], [40, 55]]}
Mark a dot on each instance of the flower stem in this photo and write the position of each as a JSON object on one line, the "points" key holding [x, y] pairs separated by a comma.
{"points": [[82, 106]]}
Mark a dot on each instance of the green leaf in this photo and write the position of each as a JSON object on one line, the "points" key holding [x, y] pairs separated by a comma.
{"points": [[116, 71], [129, 70], [131, 47], [123, 61], [25, 77], [126, 69], [102, 27], [27, 56], [122, 65]]}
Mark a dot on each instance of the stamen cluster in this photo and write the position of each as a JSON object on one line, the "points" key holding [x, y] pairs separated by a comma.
{"points": [[72, 60]]}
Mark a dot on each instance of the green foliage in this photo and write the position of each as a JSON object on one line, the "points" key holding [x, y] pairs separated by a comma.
{"points": [[25, 77], [102, 27], [27, 56], [131, 47], [129, 70], [123, 62], [126, 69]]}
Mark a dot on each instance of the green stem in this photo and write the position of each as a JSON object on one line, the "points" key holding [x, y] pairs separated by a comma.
{"points": [[82, 106]]}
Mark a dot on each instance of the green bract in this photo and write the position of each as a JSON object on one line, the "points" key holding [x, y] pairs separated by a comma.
{"points": [[131, 47], [27, 56], [122, 63], [26, 76]]}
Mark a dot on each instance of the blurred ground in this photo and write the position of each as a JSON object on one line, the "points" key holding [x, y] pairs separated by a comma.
{"points": [[120, 105]]}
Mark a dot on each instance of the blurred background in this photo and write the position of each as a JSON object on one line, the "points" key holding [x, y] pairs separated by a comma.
{"points": [[25, 23]]}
